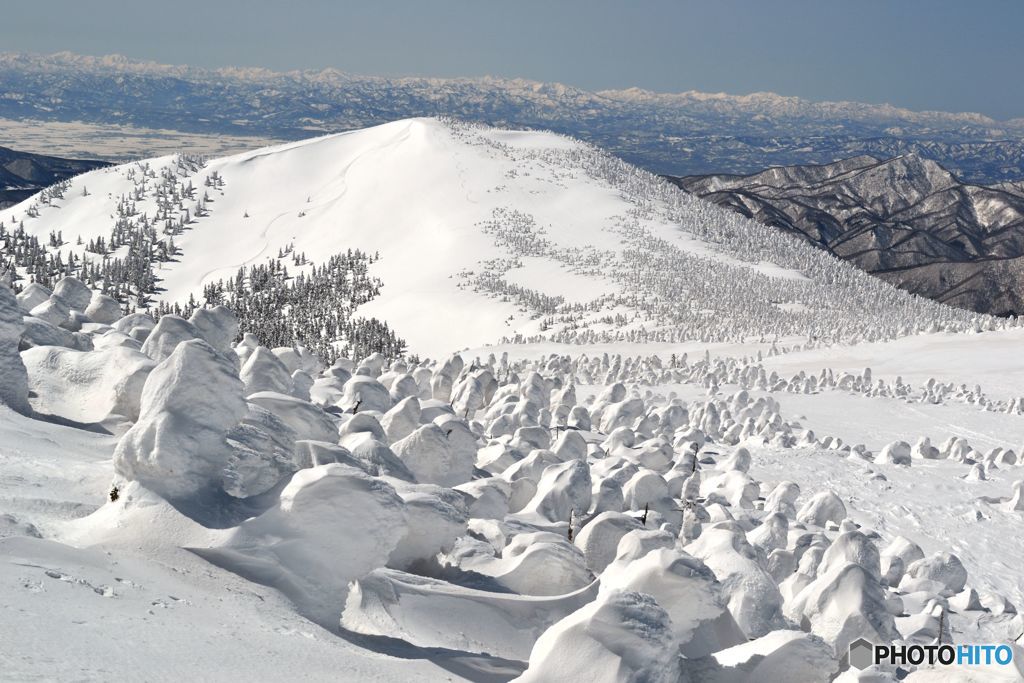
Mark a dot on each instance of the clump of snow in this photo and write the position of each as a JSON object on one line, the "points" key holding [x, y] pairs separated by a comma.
{"points": [[823, 508], [103, 309], [136, 325], [924, 449], [75, 293], [38, 332], [845, 602], [54, 311], [1016, 501], [620, 637], [362, 393], [778, 656], [430, 457], [374, 455], [944, 568], [434, 522], [218, 326], [264, 371], [263, 450], [87, 386], [895, 453], [32, 295], [165, 336], [539, 563], [308, 421], [562, 489], [432, 613], [332, 525], [402, 419], [688, 591], [189, 403], [309, 453], [488, 498], [13, 376], [753, 597], [639, 542]]}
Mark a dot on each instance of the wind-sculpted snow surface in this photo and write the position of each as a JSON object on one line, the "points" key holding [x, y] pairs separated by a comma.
{"points": [[584, 517]]}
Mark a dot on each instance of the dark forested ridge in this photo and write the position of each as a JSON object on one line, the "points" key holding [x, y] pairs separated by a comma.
{"points": [[23, 174], [907, 220]]}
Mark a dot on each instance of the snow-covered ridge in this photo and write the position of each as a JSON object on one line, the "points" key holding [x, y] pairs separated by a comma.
{"points": [[451, 209]]}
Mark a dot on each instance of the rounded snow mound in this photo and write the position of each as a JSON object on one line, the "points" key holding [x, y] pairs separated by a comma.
{"points": [[333, 524], [621, 637], [87, 386], [13, 377], [688, 591], [430, 456], [190, 401]]}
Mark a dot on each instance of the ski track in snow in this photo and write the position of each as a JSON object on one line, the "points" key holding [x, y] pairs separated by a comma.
{"points": [[265, 250]]}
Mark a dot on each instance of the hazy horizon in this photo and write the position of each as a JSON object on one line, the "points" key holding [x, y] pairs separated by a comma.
{"points": [[917, 54]]}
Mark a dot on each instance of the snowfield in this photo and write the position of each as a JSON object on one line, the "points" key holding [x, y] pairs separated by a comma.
{"points": [[652, 443]]}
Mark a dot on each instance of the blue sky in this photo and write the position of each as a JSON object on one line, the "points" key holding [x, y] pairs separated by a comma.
{"points": [[922, 54]]}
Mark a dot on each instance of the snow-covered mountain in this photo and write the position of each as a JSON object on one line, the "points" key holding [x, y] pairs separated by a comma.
{"points": [[678, 134], [693, 448], [477, 235], [906, 220]]}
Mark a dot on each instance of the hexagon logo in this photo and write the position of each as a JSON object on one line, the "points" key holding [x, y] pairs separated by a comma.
{"points": [[861, 654]]}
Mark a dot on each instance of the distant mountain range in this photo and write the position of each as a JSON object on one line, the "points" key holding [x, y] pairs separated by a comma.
{"points": [[677, 134], [23, 174], [907, 220]]}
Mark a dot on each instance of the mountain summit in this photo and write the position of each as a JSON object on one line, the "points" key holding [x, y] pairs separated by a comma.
{"points": [[471, 235]]}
